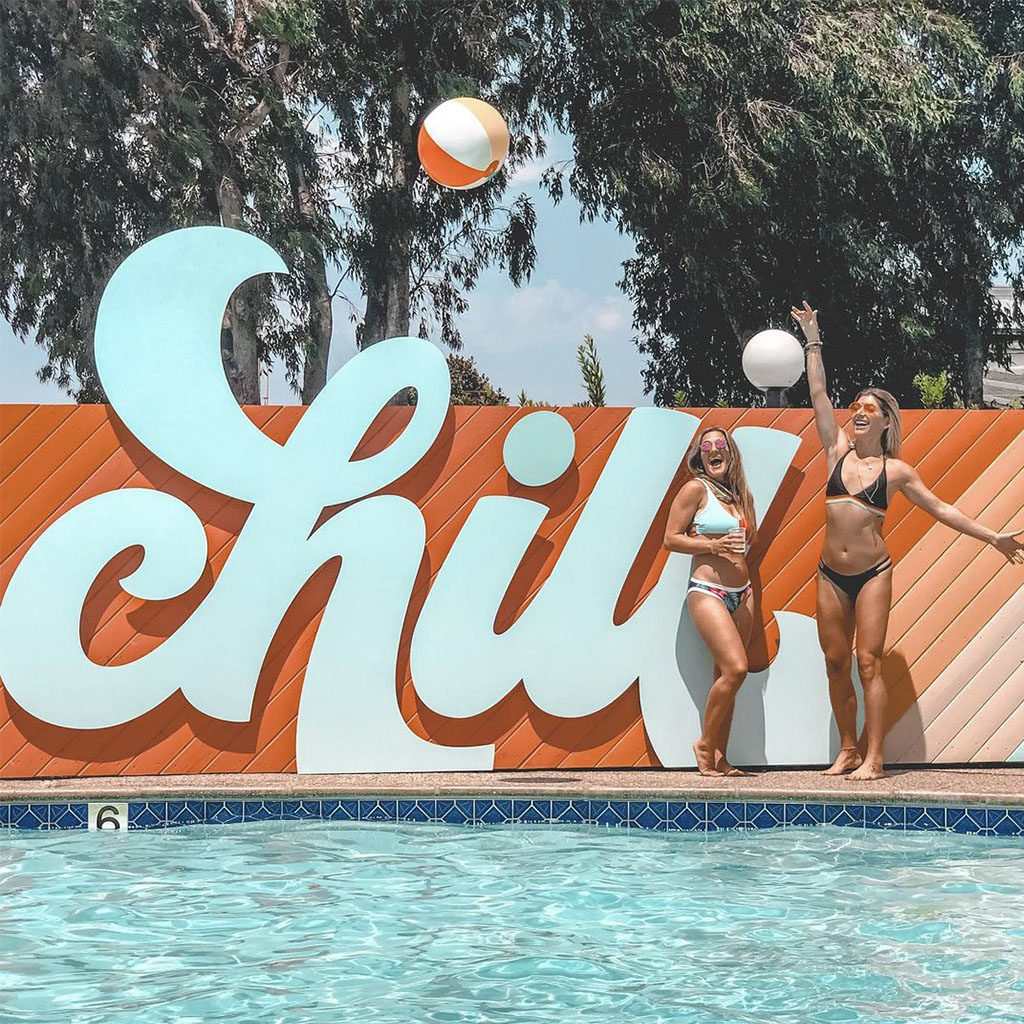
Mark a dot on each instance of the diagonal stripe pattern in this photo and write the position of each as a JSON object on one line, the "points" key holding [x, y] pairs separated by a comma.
{"points": [[955, 646]]}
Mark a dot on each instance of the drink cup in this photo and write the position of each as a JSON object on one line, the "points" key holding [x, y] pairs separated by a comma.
{"points": [[742, 532]]}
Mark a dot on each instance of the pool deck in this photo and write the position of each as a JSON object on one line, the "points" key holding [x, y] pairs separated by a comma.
{"points": [[1002, 785]]}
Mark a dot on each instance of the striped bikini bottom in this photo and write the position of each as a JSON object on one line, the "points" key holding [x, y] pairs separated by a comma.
{"points": [[731, 597]]}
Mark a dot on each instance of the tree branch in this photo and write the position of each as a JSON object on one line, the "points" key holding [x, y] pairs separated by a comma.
{"points": [[215, 39], [240, 25], [259, 113]]}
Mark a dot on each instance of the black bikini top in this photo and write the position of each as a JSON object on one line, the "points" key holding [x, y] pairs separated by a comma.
{"points": [[874, 498]]}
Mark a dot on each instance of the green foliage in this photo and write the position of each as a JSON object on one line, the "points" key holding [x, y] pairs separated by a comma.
{"points": [[590, 367], [525, 400], [126, 120], [932, 388], [292, 119], [680, 399], [863, 155], [294, 23], [414, 247], [470, 386]]}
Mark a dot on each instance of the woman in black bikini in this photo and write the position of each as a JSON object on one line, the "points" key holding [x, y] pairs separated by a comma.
{"points": [[855, 572]]}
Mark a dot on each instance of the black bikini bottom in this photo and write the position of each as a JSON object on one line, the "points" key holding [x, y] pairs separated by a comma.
{"points": [[851, 585]]}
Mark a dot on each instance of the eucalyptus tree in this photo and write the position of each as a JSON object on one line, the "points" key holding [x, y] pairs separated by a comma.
{"points": [[981, 173], [78, 186], [416, 248], [839, 150], [262, 154], [293, 119], [122, 121]]}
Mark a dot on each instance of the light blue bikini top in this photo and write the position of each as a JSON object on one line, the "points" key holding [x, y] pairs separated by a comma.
{"points": [[713, 518]]}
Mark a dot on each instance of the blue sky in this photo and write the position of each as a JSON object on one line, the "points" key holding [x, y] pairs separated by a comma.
{"points": [[521, 338]]}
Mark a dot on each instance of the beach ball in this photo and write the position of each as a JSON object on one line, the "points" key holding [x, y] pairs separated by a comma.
{"points": [[462, 142], [773, 359]]}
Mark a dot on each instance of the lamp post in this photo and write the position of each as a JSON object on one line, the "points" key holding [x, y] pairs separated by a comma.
{"points": [[773, 361]]}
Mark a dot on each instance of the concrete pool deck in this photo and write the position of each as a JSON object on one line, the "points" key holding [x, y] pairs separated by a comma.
{"points": [[1001, 785]]}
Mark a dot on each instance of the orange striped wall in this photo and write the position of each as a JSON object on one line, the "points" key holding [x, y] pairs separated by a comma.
{"points": [[955, 645]]}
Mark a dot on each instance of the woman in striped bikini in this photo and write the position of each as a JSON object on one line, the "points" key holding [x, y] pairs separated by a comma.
{"points": [[855, 571], [712, 518]]}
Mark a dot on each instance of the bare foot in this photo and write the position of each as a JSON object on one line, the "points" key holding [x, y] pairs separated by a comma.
{"points": [[731, 770], [846, 760], [705, 759], [868, 771]]}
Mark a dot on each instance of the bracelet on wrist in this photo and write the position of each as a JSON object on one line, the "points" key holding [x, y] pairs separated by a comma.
{"points": [[812, 344]]}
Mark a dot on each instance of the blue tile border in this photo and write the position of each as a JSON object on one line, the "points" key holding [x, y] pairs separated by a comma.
{"points": [[641, 814]]}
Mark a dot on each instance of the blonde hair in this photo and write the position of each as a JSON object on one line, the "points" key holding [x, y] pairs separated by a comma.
{"points": [[735, 489], [892, 435]]}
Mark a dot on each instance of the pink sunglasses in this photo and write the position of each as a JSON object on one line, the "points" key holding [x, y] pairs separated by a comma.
{"points": [[720, 443]]}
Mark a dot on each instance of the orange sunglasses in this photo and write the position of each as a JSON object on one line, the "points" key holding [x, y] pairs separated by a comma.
{"points": [[868, 407]]}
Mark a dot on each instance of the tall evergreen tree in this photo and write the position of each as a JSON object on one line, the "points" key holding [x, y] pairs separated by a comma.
{"points": [[470, 386]]}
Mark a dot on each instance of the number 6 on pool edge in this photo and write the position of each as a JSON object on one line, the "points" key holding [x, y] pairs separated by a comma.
{"points": [[108, 817]]}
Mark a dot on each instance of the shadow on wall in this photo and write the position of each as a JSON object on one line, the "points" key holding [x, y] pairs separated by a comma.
{"points": [[896, 673], [899, 681]]}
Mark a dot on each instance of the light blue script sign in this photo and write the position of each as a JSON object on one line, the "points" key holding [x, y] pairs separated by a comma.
{"points": [[158, 326]]}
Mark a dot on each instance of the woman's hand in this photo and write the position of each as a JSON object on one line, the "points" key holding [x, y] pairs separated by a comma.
{"points": [[728, 544], [1008, 545], [807, 318]]}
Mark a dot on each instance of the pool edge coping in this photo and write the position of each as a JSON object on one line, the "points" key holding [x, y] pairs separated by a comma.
{"points": [[293, 787]]}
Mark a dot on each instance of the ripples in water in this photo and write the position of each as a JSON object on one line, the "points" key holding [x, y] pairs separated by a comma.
{"points": [[313, 922]]}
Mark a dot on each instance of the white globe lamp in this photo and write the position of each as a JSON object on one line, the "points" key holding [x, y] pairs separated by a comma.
{"points": [[773, 361]]}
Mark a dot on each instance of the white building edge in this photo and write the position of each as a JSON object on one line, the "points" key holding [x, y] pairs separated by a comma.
{"points": [[1002, 386]]}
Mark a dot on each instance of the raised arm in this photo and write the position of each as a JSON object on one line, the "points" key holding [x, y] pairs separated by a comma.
{"points": [[908, 481], [680, 516], [824, 414]]}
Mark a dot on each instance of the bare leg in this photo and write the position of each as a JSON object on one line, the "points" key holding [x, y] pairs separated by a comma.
{"points": [[835, 633], [872, 614], [743, 617], [718, 631], [722, 743], [722, 765]]}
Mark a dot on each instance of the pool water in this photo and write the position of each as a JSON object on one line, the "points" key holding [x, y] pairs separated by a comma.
{"points": [[302, 922]]}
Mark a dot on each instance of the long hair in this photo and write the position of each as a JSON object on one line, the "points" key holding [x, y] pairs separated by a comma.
{"points": [[734, 490], [892, 435]]}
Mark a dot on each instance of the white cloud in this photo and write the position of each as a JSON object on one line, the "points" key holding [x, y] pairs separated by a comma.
{"points": [[612, 318], [529, 172], [550, 309], [527, 338]]}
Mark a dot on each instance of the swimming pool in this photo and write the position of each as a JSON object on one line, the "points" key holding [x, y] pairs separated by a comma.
{"points": [[319, 922]]}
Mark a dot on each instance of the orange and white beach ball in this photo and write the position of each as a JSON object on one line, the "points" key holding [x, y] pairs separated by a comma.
{"points": [[462, 142]]}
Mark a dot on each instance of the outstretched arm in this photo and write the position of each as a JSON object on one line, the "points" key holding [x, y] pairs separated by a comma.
{"points": [[910, 483], [824, 414]]}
